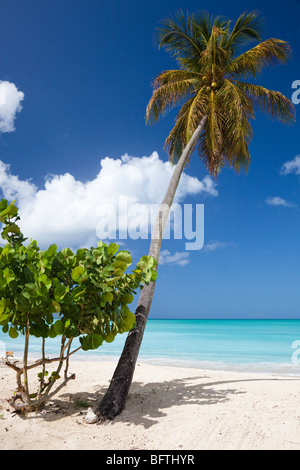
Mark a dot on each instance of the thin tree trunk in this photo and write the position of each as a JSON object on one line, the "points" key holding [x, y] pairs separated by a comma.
{"points": [[25, 360], [115, 397]]}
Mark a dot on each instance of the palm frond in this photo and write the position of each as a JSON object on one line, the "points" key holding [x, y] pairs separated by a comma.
{"points": [[248, 27], [197, 109], [267, 53], [214, 54], [175, 76], [176, 36], [211, 145], [188, 119], [203, 25], [274, 103], [170, 89], [237, 129], [174, 143]]}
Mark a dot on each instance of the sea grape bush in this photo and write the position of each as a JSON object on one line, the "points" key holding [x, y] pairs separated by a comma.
{"points": [[52, 293]]}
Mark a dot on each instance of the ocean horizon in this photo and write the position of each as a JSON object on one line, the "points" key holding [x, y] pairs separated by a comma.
{"points": [[266, 345]]}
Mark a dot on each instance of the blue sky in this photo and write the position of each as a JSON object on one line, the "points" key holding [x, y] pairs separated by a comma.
{"points": [[79, 74]]}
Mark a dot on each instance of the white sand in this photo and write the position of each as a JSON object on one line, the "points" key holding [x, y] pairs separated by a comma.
{"points": [[168, 409]]}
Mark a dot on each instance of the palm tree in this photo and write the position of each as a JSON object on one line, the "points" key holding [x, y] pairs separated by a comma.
{"points": [[216, 108]]}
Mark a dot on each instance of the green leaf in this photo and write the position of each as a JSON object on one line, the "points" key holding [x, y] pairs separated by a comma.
{"points": [[29, 291], [67, 252], [78, 292], [4, 318], [112, 248], [28, 275], [3, 205], [54, 376], [118, 272], [39, 329], [81, 254], [97, 340], [8, 275], [128, 321], [113, 280], [9, 211], [146, 262], [56, 306], [11, 228], [52, 333], [59, 327], [13, 332], [3, 305], [72, 331], [124, 256], [86, 343], [127, 299], [109, 338], [78, 273], [2, 280], [147, 276], [22, 302], [120, 264], [108, 297], [51, 251], [153, 275], [60, 291], [43, 279]]}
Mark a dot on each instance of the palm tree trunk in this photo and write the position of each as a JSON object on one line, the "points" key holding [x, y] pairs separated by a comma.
{"points": [[115, 397]]}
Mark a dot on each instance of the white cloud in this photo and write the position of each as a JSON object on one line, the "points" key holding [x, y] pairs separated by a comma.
{"points": [[10, 105], [279, 201], [179, 258], [67, 211], [292, 166], [215, 245], [13, 187]]}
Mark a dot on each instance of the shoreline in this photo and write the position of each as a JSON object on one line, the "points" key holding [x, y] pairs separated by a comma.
{"points": [[168, 408], [288, 369]]}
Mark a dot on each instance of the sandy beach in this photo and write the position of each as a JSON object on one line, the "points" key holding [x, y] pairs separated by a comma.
{"points": [[168, 408]]}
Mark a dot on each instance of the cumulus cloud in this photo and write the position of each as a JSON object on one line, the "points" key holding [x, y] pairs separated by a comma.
{"points": [[10, 105], [67, 211], [292, 166], [180, 258], [279, 201]]}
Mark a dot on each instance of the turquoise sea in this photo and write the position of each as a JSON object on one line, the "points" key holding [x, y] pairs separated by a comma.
{"points": [[243, 345]]}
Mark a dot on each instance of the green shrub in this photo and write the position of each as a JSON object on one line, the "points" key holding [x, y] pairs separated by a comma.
{"points": [[52, 293]]}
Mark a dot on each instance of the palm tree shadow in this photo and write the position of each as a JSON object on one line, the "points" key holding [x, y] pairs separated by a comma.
{"points": [[147, 403]]}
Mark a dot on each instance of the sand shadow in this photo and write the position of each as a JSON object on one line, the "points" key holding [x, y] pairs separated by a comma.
{"points": [[147, 403]]}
